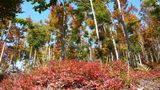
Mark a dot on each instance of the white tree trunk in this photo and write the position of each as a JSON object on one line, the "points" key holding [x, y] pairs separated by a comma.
{"points": [[49, 52], [113, 39], [136, 57], [140, 60], [90, 53], [4, 44], [112, 56], [114, 44], [34, 60], [2, 52]]}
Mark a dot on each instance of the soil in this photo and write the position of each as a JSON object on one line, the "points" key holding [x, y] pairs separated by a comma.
{"points": [[149, 84]]}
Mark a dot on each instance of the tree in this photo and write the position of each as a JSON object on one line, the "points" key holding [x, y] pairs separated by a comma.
{"points": [[124, 27], [95, 21], [150, 15], [58, 20], [8, 9]]}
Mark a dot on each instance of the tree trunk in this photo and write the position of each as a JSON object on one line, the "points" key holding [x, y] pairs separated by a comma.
{"points": [[158, 47], [90, 53], [46, 53], [49, 52], [63, 29], [112, 56], [95, 22], [136, 57], [113, 39], [140, 60], [30, 56], [62, 51], [141, 40], [63, 46], [4, 44], [131, 62], [114, 44], [2, 32], [152, 60], [147, 56], [2, 52], [34, 60]]}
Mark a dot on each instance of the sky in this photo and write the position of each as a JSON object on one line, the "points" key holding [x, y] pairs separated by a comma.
{"points": [[28, 11], [27, 8]]}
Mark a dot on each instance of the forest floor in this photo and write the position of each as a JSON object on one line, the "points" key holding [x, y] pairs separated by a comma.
{"points": [[144, 84], [150, 84], [81, 75]]}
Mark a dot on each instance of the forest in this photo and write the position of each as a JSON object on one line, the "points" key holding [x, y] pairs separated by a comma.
{"points": [[81, 45]]}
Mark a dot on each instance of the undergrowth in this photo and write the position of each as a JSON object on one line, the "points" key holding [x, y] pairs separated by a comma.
{"points": [[72, 74]]}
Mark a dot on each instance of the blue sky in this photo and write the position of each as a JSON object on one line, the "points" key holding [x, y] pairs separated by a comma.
{"points": [[35, 16], [28, 10]]}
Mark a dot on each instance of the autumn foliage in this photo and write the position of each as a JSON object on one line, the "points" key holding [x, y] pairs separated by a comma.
{"points": [[74, 74]]}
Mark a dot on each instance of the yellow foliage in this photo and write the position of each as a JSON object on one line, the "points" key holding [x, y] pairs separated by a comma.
{"points": [[123, 47], [53, 19], [90, 22], [93, 32]]}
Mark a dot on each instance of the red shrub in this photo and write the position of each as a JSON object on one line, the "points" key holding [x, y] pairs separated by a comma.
{"points": [[73, 75]]}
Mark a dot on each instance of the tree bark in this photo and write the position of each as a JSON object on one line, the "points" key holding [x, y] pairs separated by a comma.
{"points": [[114, 44], [96, 25], [90, 53], [95, 21], [63, 29], [30, 56], [140, 60], [112, 56], [151, 56], [131, 63], [34, 60], [113, 39], [49, 52], [4, 44]]}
